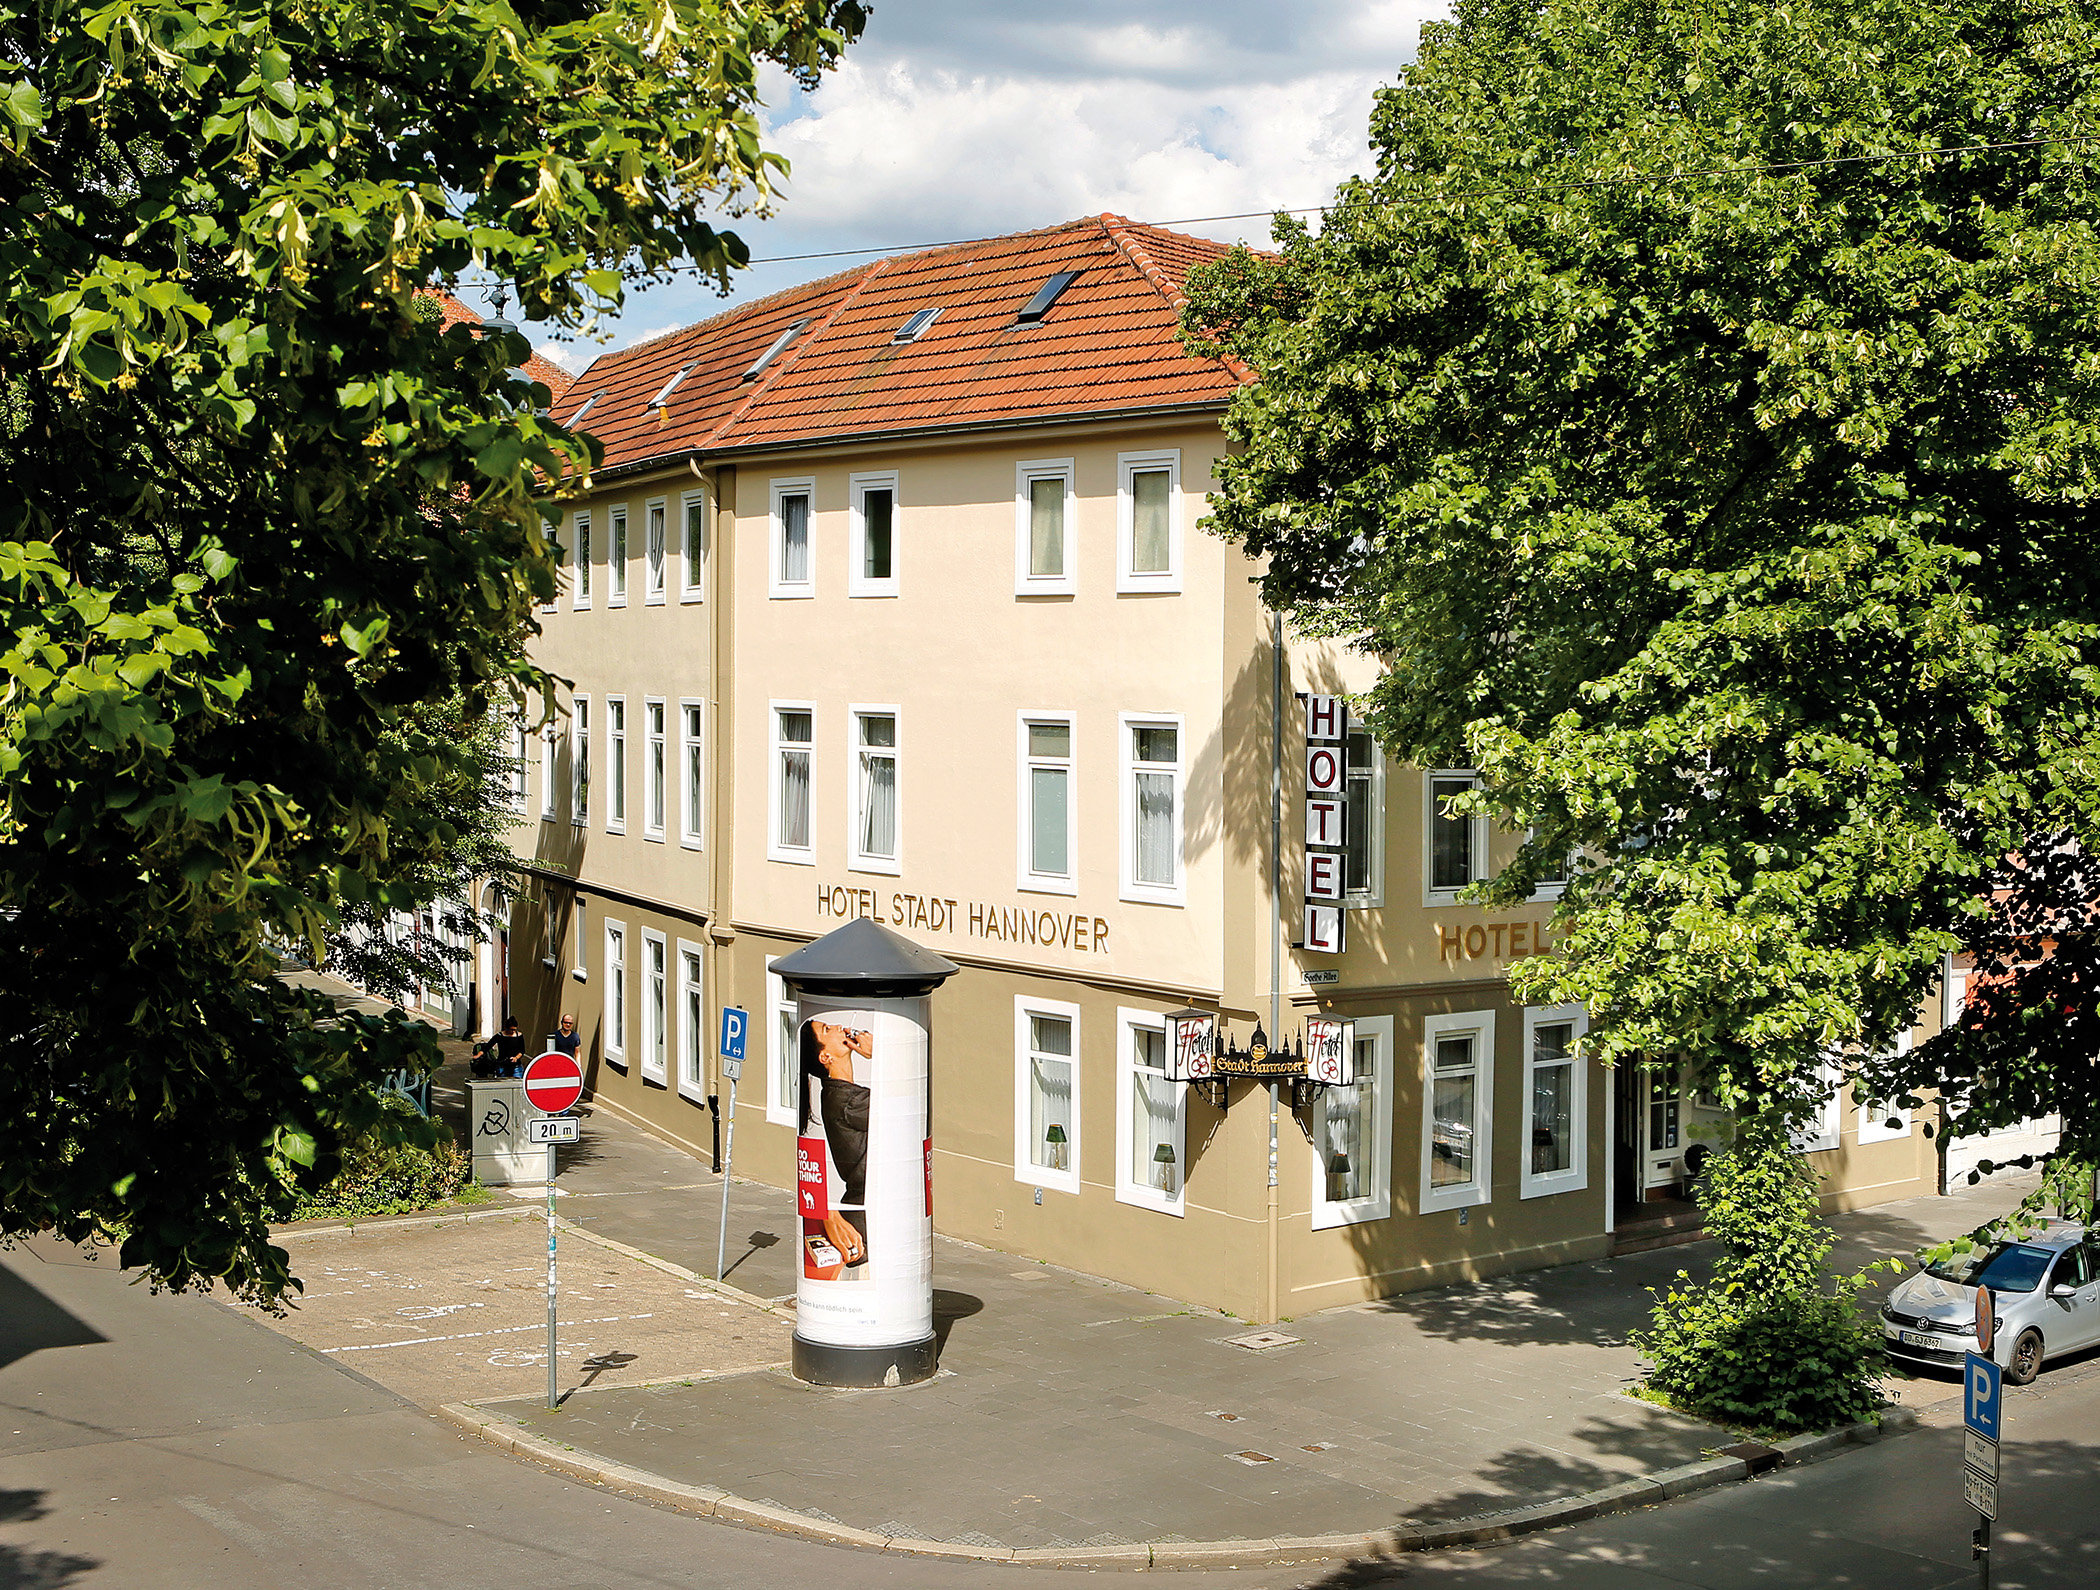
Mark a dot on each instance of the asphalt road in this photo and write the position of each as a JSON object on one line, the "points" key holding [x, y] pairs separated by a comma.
{"points": [[150, 1442]]}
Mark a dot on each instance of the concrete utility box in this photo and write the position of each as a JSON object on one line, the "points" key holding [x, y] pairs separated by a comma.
{"points": [[496, 1117]]}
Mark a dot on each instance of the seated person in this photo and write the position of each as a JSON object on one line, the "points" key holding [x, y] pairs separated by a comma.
{"points": [[509, 1050]]}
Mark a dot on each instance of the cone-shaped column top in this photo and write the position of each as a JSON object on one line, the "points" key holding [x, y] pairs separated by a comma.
{"points": [[864, 958]]}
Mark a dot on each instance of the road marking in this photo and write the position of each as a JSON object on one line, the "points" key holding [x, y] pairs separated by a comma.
{"points": [[465, 1336]]}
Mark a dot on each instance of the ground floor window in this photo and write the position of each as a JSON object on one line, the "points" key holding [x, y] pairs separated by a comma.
{"points": [[616, 994], [1555, 1135], [656, 970], [1883, 1121], [781, 1056], [692, 1022], [1353, 1135], [1046, 1093], [1458, 1114], [1151, 1116]]}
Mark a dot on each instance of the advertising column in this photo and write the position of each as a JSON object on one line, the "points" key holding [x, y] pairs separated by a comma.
{"points": [[864, 1152]]}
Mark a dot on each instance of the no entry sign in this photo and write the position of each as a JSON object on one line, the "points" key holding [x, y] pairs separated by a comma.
{"points": [[553, 1082]]}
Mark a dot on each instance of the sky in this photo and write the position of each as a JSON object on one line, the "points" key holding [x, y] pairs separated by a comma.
{"points": [[955, 119]]}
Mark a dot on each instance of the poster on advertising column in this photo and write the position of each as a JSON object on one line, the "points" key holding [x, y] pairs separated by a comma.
{"points": [[864, 1186]]}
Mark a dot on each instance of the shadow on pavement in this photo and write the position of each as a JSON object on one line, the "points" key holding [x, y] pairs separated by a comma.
{"points": [[1525, 1475], [24, 1569], [30, 1322]]}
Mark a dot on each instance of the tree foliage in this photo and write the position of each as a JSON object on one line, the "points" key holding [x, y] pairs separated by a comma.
{"points": [[254, 511], [1695, 412]]}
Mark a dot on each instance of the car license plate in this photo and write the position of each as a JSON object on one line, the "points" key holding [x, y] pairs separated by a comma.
{"points": [[1916, 1339]]}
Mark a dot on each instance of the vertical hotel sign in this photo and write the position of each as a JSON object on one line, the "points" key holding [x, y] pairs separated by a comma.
{"points": [[1326, 811]]}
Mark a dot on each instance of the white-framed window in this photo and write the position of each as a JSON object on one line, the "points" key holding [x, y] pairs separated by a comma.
{"points": [[616, 993], [1820, 1130], [1458, 1110], [616, 557], [1152, 802], [616, 764], [1555, 1140], [579, 932], [872, 570], [580, 761], [1363, 822], [1046, 1093], [655, 552], [1880, 1122], [1353, 1136], [692, 518], [1046, 513], [1148, 521], [792, 558], [783, 1061], [794, 745], [692, 1022], [876, 842], [1151, 1116], [1454, 846], [654, 771], [550, 738], [656, 1004], [580, 586], [1048, 835], [517, 768], [692, 774]]}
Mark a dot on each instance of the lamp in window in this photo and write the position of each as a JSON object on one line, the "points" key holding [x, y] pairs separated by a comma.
{"points": [[1337, 1177], [1055, 1148], [1163, 1168]]}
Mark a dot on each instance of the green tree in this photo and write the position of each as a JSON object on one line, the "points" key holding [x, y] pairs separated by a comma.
{"points": [[1695, 412], [255, 512]]}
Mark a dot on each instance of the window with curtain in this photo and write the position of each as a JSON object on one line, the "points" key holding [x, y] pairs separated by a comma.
{"points": [[1552, 1098], [1046, 527], [615, 989], [1155, 779], [878, 506], [616, 558], [1154, 1113], [616, 763], [1452, 836], [793, 742], [580, 761], [658, 1005], [875, 826], [695, 772], [1049, 794], [1455, 1100], [794, 538], [695, 544], [1151, 540], [583, 560], [653, 807], [1050, 1129], [653, 544], [1347, 1137], [692, 1057]]}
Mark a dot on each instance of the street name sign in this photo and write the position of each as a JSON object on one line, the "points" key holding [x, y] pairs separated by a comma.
{"points": [[553, 1082], [554, 1129]]}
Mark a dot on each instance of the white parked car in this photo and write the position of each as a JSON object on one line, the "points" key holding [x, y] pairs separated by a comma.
{"points": [[2046, 1288]]}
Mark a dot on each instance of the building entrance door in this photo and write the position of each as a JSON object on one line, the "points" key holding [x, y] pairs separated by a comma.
{"points": [[1662, 1151], [1627, 1128]]}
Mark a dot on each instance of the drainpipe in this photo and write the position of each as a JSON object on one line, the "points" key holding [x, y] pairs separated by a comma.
{"points": [[721, 512], [1273, 1310]]}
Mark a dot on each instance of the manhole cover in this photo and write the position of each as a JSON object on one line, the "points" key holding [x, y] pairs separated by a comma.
{"points": [[1318, 1446], [1262, 1341], [1219, 1413], [1250, 1458]]}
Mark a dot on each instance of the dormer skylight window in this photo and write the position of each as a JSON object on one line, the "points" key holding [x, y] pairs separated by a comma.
{"points": [[775, 350], [670, 386], [587, 402], [1045, 296], [915, 328]]}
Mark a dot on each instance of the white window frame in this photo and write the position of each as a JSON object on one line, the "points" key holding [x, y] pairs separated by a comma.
{"points": [[616, 555], [1127, 810], [1026, 878], [856, 859], [1377, 1201], [1026, 474], [656, 1018], [692, 1033], [615, 993], [692, 549], [519, 792], [1128, 1021], [1481, 1189], [1128, 580], [776, 849], [550, 766], [1824, 1134], [1372, 894], [1576, 1178], [1871, 1122], [656, 767], [1026, 1171], [781, 1069], [616, 764], [580, 760], [692, 789], [1430, 894], [656, 551], [580, 582], [776, 584], [1552, 891], [857, 488], [579, 927]]}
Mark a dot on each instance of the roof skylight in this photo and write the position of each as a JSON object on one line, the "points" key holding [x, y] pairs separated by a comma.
{"points": [[670, 386], [1045, 296], [915, 328], [777, 348], [587, 402]]}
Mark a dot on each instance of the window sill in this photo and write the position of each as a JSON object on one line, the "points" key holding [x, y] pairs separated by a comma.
{"points": [[794, 858], [617, 1061], [792, 593], [653, 836], [616, 601], [1550, 1186], [691, 842], [616, 828], [1357, 1212], [1141, 894], [877, 592], [1134, 585], [575, 607], [693, 1093], [1453, 1198], [877, 865], [1048, 588], [1064, 1181], [687, 597], [1142, 1198]]}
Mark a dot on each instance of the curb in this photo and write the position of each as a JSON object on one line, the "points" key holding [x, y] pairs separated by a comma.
{"points": [[708, 1501]]}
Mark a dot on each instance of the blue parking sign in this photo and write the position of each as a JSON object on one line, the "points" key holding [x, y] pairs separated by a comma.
{"points": [[1982, 1391], [735, 1020]]}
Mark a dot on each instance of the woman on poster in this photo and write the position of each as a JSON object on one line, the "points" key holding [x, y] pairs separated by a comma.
{"points": [[837, 1068]]}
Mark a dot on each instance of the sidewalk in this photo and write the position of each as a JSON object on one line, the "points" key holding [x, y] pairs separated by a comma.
{"points": [[1071, 1412]]}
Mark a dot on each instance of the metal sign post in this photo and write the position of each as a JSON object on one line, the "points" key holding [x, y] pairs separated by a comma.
{"points": [[553, 1083], [735, 1023], [1983, 1401]]}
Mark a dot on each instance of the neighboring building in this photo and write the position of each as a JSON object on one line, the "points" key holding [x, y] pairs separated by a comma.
{"points": [[892, 598]]}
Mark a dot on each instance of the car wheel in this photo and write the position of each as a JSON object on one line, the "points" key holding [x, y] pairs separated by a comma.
{"points": [[2026, 1358]]}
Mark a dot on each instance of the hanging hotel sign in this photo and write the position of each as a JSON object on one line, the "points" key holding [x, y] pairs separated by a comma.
{"points": [[1326, 825], [1323, 1056]]}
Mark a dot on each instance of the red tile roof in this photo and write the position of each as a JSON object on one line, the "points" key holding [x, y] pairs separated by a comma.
{"points": [[539, 368], [1107, 345]]}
